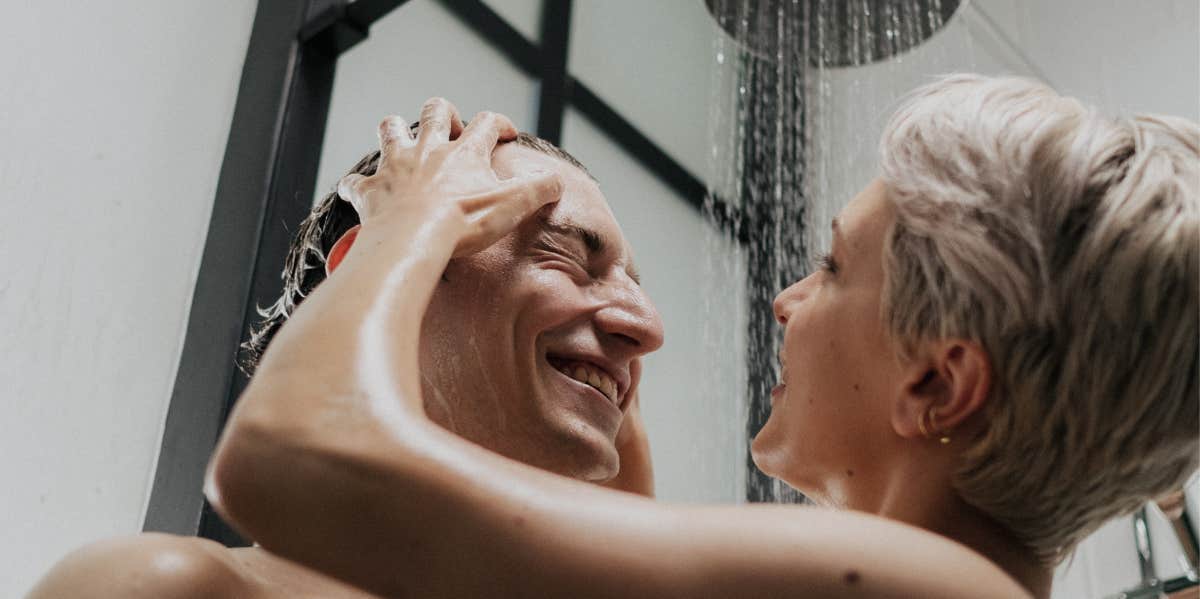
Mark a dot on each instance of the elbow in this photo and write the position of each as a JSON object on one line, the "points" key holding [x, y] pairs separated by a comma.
{"points": [[253, 466], [290, 448], [275, 460], [231, 485]]}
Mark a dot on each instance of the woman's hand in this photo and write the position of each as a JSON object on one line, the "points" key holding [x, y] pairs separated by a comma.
{"points": [[633, 447], [444, 176]]}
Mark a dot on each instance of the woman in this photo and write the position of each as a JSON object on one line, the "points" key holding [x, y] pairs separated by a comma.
{"points": [[998, 354]]}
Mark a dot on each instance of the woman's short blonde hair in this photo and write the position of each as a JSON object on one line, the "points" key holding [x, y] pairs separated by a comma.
{"points": [[1067, 244]]}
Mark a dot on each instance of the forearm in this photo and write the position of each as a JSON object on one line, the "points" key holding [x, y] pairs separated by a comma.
{"points": [[357, 332], [328, 458], [340, 379], [334, 466]]}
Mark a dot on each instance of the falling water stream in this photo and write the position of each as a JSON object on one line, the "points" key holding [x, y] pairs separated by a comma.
{"points": [[803, 88]]}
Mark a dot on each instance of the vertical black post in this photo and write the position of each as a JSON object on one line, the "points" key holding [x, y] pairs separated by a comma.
{"points": [[293, 178], [265, 189], [556, 85]]}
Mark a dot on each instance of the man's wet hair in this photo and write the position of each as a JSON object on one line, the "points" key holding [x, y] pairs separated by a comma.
{"points": [[304, 267]]}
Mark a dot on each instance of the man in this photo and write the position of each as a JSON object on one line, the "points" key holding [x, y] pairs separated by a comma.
{"points": [[530, 348]]}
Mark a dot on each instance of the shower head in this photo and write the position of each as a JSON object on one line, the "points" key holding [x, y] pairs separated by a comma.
{"points": [[831, 33]]}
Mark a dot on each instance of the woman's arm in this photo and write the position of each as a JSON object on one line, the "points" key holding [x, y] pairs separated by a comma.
{"points": [[329, 460]]}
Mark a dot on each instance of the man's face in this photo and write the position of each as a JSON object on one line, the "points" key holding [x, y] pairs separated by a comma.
{"points": [[513, 332]]}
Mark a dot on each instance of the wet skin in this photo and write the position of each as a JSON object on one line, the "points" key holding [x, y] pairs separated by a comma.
{"points": [[450, 519], [559, 291], [844, 383], [837, 364]]}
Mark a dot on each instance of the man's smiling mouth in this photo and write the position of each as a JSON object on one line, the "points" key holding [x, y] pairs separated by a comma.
{"points": [[588, 374]]}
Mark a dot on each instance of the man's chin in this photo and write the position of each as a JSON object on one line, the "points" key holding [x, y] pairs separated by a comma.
{"points": [[581, 451]]}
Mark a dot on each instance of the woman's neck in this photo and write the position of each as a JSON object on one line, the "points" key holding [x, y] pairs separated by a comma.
{"points": [[921, 497]]}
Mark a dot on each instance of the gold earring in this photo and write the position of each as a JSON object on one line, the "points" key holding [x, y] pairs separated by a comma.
{"points": [[929, 430]]}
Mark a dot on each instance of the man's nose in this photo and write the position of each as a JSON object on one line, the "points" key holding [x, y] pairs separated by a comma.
{"points": [[632, 319]]}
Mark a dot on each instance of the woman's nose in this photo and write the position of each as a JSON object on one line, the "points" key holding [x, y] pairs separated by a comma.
{"points": [[786, 300]]}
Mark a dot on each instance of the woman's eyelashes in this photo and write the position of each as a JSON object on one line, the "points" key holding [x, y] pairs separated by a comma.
{"points": [[826, 263]]}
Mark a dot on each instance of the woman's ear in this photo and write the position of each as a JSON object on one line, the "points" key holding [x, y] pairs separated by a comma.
{"points": [[340, 248], [946, 385]]}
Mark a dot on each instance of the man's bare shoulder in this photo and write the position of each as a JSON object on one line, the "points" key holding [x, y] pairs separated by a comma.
{"points": [[284, 579], [162, 566], [147, 565]]}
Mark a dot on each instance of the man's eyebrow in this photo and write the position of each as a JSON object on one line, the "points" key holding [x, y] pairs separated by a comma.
{"points": [[594, 241]]}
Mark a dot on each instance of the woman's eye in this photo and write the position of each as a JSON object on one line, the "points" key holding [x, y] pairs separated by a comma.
{"points": [[825, 262]]}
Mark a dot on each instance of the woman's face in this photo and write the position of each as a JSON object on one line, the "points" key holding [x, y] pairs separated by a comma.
{"points": [[830, 415]]}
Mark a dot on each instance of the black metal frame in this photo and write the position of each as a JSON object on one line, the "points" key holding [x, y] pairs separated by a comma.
{"points": [[267, 178]]}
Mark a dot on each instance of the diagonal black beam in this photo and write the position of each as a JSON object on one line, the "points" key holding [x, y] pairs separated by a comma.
{"points": [[339, 26], [529, 58], [366, 12], [501, 36], [633, 141], [555, 88]]}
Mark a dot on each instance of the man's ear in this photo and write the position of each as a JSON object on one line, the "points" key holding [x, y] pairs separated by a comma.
{"points": [[952, 378], [340, 248]]}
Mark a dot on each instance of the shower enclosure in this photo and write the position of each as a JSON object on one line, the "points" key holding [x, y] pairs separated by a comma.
{"points": [[800, 89]]}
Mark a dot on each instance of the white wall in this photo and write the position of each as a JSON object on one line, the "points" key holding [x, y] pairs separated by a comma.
{"points": [[113, 123]]}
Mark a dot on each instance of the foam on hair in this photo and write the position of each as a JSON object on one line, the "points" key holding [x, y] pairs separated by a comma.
{"points": [[1068, 244]]}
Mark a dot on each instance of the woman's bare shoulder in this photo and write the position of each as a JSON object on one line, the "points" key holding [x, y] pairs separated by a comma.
{"points": [[146, 565]]}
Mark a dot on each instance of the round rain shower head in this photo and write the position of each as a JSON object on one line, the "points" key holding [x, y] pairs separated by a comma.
{"points": [[831, 33]]}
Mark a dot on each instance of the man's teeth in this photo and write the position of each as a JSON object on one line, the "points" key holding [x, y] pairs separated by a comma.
{"points": [[597, 379]]}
